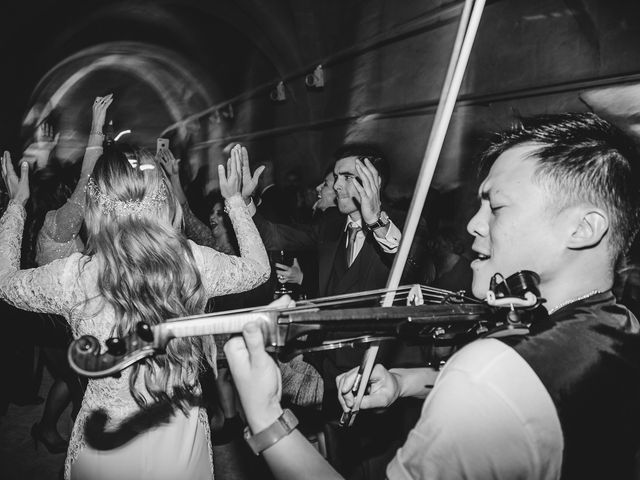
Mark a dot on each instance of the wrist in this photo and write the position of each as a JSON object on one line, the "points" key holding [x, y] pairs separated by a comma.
{"points": [[414, 382], [398, 380], [370, 219], [381, 221], [232, 201], [263, 417], [18, 202]]}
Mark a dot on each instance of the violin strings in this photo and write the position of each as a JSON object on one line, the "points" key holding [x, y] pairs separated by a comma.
{"points": [[429, 294]]}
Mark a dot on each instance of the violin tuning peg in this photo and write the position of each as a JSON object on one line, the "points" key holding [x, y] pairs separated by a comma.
{"points": [[115, 346], [144, 331]]}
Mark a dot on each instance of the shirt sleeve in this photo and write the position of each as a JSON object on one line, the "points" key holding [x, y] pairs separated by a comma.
{"points": [[489, 417], [391, 240], [41, 289], [225, 274]]}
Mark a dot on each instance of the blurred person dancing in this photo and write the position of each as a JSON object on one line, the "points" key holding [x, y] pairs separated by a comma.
{"points": [[138, 266], [58, 236]]}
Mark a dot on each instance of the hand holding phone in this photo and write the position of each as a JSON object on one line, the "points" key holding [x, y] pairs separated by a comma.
{"points": [[162, 143]]}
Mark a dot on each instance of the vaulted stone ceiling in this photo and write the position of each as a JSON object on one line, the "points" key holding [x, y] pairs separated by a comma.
{"points": [[215, 63]]}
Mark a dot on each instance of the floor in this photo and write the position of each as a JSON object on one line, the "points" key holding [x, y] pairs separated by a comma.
{"points": [[19, 460]]}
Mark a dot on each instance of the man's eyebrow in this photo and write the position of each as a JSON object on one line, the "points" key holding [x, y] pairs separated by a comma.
{"points": [[489, 195]]}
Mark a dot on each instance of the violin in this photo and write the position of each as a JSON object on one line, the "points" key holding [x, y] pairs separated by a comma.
{"points": [[448, 319]]}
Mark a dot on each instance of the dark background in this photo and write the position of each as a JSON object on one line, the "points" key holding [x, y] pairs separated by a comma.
{"points": [[384, 64]]}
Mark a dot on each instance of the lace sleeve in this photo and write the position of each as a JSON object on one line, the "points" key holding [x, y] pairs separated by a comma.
{"points": [[224, 274], [70, 216], [37, 289]]}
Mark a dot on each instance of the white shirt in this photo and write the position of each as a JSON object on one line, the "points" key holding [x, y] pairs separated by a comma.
{"points": [[488, 417], [389, 242]]}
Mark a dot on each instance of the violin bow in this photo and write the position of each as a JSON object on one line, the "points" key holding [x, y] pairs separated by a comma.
{"points": [[467, 29]]}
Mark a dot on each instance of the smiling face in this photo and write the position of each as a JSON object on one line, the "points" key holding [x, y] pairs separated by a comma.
{"points": [[216, 218], [326, 193], [344, 174], [516, 227]]}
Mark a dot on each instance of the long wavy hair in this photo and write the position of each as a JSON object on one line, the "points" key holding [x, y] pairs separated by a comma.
{"points": [[147, 269]]}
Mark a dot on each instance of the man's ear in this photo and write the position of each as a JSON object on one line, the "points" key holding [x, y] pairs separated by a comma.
{"points": [[590, 229]]}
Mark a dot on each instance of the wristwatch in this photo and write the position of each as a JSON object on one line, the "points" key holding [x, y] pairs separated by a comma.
{"points": [[271, 435], [383, 221]]}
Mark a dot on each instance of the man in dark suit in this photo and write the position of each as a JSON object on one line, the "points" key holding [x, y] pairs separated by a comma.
{"points": [[355, 248], [374, 236]]}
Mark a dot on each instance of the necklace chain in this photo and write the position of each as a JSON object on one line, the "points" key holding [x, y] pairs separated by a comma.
{"points": [[574, 299]]}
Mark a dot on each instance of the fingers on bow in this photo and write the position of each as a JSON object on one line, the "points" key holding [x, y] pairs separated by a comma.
{"points": [[344, 384]]}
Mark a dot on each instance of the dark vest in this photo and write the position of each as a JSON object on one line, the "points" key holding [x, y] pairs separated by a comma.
{"points": [[588, 357], [368, 271]]}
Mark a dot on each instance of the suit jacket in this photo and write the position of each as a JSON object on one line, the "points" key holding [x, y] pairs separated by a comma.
{"points": [[359, 452], [326, 236]]}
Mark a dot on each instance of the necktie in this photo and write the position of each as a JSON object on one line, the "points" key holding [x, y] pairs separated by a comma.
{"points": [[352, 231]]}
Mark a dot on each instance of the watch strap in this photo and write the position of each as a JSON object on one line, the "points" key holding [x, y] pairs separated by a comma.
{"points": [[271, 435], [382, 221]]}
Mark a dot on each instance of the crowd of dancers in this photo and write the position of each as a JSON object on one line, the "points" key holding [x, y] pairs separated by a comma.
{"points": [[117, 243]]}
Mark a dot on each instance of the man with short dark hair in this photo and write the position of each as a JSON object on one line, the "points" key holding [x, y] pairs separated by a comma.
{"points": [[561, 197], [355, 248]]}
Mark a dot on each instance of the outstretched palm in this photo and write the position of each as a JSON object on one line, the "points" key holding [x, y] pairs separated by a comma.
{"points": [[18, 187], [249, 182], [230, 181]]}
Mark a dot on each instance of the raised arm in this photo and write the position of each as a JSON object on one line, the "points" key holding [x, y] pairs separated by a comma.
{"points": [[38, 153], [38, 290], [223, 274], [68, 218]]}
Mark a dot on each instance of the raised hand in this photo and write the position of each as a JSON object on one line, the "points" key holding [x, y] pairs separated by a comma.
{"points": [[100, 106], [249, 182], [170, 164], [231, 181], [18, 188], [368, 190], [384, 389], [38, 152]]}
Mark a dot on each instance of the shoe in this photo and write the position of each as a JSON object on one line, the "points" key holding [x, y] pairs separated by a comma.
{"points": [[57, 446]]}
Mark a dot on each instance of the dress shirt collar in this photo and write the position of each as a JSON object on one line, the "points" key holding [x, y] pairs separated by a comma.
{"points": [[350, 221]]}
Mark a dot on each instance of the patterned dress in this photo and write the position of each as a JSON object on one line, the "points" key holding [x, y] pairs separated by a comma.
{"points": [[178, 446]]}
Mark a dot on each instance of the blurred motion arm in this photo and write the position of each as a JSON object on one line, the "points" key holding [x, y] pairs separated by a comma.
{"points": [[68, 218]]}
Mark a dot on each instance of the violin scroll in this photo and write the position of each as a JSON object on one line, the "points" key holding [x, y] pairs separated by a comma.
{"points": [[86, 358]]}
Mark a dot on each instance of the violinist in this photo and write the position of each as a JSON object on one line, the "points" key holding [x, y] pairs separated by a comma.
{"points": [[560, 196]]}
